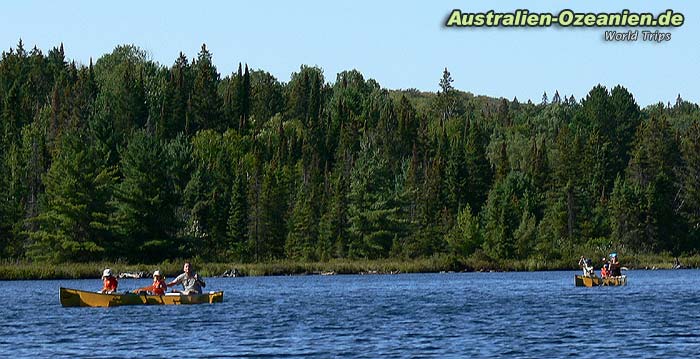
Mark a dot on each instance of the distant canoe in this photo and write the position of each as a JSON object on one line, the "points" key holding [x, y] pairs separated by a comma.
{"points": [[81, 298], [584, 281]]}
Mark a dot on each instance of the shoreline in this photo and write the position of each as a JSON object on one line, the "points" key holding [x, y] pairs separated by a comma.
{"points": [[23, 270]]}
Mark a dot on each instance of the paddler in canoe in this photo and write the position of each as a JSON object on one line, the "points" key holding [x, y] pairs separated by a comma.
{"points": [[615, 268], [604, 269], [587, 265], [190, 280], [109, 282], [157, 288]]}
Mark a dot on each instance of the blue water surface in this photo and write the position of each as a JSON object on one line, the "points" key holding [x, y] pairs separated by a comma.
{"points": [[453, 315]]}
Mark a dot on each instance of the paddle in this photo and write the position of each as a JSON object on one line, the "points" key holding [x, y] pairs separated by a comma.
{"points": [[142, 289]]}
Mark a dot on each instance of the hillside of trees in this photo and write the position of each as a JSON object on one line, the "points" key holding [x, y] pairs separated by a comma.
{"points": [[126, 159]]}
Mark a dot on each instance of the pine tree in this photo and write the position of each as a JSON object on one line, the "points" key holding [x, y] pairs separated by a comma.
{"points": [[568, 177], [508, 201], [56, 62], [466, 236], [39, 80], [302, 237], [525, 235], [255, 207], [237, 226], [407, 125], [446, 98], [230, 110], [626, 117], [689, 177], [373, 215], [654, 161], [73, 224], [480, 173], [36, 159], [11, 209], [209, 193], [556, 100], [12, 117], [273, 203], [333, 225], [175, 110], [15, 191], [456, 178], [144, 217], [206, 104], [629, 214], [243, 100]]}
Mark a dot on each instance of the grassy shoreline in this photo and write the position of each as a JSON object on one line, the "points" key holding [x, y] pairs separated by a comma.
{"points": [[22, 270]]}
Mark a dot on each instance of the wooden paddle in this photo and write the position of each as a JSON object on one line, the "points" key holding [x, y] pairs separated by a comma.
{"points": [[142, 289]]}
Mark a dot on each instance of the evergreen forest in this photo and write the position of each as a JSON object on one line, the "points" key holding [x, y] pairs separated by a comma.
{"points": [[128, 160]]}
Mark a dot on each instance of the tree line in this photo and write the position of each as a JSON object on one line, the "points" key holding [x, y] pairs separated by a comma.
{"points": [[126, 159]]}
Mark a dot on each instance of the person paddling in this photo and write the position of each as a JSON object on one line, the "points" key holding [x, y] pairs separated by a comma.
{"points": [[109, 282], [604, 272], [587, 265], [157, 288], [191, 282], [614, 265]]}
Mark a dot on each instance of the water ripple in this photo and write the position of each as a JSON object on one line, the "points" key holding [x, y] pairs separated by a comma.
{"points": [[519, 315]]}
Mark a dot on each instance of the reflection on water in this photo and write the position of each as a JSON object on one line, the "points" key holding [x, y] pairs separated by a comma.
{"points": [[523, 315]]}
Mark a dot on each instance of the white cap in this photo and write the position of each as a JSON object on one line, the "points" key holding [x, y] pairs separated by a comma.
{"points": [[156, 273], [106, 273]]}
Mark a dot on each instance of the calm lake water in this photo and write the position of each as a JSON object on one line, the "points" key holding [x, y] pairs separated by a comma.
{"points": [[455, 315]]}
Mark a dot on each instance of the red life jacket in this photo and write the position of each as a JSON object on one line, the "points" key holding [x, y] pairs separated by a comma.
{"points": [[158, 287], [109, 284]]}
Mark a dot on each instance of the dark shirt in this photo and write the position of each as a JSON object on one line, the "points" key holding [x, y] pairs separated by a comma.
{"points": [[615, 269]]}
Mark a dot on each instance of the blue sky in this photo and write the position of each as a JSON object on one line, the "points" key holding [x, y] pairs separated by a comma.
{"points": [[401, 44]]}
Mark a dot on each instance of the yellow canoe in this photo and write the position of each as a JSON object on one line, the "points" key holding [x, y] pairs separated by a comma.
{"points": [[81, 298], [584, 281]]}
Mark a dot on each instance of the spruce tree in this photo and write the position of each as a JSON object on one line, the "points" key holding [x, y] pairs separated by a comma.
{"points": [[333, 224], [556, 100], [237, 226], [654, 161], [446, 97], [206, 104], [175, 111], [302, 237], [689, 176], [466, 236], [73, 224], [373, 214], [144, 216]]}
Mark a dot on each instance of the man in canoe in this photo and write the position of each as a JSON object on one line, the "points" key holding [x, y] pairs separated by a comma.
{"points": [[191, 282], [109, 282]]}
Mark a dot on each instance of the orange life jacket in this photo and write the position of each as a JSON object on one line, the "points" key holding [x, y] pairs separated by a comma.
{"points": [[109, 284], [158, 287]]}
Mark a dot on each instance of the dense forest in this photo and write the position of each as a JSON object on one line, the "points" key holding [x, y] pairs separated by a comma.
{"points": [[126, 159]]}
